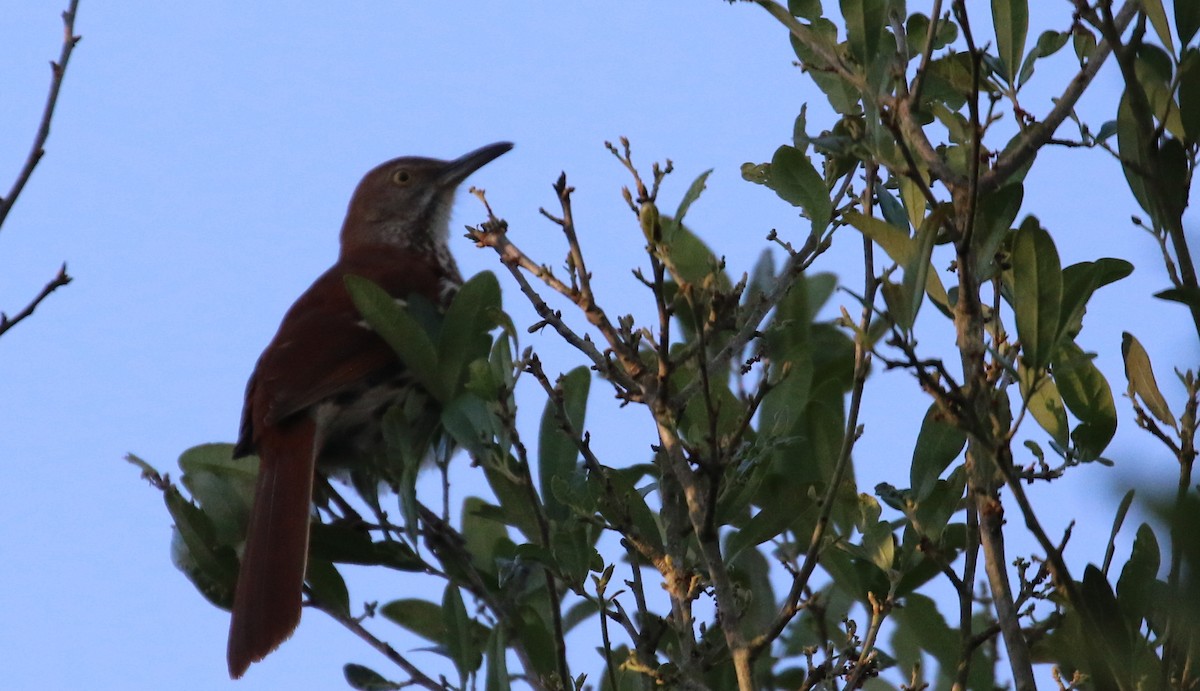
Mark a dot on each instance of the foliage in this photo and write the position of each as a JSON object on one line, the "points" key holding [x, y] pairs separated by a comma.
{"points": [[740, 551]]}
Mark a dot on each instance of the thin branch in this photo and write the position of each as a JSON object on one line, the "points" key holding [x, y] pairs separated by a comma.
{"points": [[60, 279], [1033, 138], [58, 71], [417, 677]]}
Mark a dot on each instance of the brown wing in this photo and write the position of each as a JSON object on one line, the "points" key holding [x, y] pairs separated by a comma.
{"points": [[323, 347]]}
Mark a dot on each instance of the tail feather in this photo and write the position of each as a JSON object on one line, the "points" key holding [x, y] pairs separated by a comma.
{"points": [[266, 605]]}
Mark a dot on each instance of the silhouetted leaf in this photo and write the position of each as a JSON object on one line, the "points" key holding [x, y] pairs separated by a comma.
{"points": [[363, 678], [938, 444]]}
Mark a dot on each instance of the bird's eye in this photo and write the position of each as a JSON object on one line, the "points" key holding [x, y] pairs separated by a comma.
{"points": [[402, 177]]}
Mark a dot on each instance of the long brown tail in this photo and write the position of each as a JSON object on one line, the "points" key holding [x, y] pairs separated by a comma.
{"points": [[266, 606]]}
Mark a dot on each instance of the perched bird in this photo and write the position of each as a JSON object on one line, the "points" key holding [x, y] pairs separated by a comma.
{"points": [[324, 382]]}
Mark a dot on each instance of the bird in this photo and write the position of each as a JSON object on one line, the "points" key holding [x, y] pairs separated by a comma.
{"points": [[324, 382]]}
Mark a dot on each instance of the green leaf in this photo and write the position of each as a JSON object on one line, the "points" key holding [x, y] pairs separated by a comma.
{"points": [[1037, 292], [996, 212], [1089, 398], [485, 539], [914, 200], [363, 678], [938, 444], [1080, 281], [1158, 18], [401, 331], [916, 271], [692, 194], [557, 452], [1133, 149], [879, 545], [327, 585], [689, 260], [1084, 42], [223, 486], [460, 642], [1136, 587], [1044, 402], [623, 505], [1187, 20], [864, 27], [1141, 379], [464, 336], [209, 564], [1187, 295], [418, 616], [1189, 85], [807, 9], [899, 247], [1011, 19], [1048, 43], [496, 678], [797, 182]]}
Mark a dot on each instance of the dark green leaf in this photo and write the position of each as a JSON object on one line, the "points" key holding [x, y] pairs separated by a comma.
{"points": [[497, 664], [485, 539], [223, 486], [327, 585], [558, 452], [1134, 149], [1140, 374], [1037, 292], [1088, 396], [464, 336], [996, 212], [461, 645], [864, 27], [938, 444], [689, 260], [916, 272], [794, 179], [1084, 42], [1137, 584], [1187, 20], [1080, 281], [210, 565], [692, 194], [1044, 402], [401, 331], [1189, 86], [1187, 295], [1048, 43], [363, 678], [418, 616], [1118, 521], [807, 9], [343, 544], [1011, 19]]}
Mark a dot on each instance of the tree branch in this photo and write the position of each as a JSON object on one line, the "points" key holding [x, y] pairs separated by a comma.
{"points": [[58, 70]]}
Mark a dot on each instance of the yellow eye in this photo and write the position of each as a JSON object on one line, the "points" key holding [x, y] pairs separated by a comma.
{"points": [[402, 177]]}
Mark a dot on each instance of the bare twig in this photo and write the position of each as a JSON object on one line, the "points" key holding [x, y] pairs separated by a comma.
{"points": [[60, 279], [417, 677], [58, 71]]}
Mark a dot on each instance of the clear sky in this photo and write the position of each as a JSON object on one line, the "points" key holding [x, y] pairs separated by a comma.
{"points": [[195, 180]]}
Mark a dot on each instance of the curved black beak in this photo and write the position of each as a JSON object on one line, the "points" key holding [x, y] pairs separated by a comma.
{"points": [[457, 170]]}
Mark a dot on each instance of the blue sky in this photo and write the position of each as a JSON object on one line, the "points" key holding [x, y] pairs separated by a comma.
{"points": [[195, 180]]}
